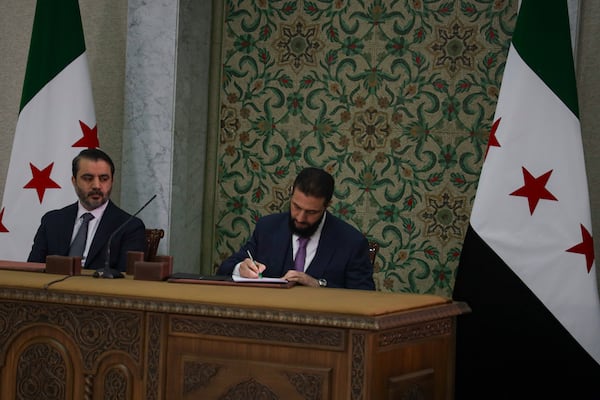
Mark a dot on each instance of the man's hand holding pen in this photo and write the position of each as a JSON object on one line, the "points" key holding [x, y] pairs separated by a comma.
{"points": [[249, 268]]}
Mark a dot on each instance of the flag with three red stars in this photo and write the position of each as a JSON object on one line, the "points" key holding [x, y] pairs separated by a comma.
{"points": [[527, 265], [56, 121]]}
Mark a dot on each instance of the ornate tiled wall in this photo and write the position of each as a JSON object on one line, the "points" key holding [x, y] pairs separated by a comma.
{"points": [[394, 98]]}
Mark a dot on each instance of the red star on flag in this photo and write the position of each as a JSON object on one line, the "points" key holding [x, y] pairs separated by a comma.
{"points": [[534, 189], [586, 247], [90, 137], [493, 140], [2, 227], [41, 180]]}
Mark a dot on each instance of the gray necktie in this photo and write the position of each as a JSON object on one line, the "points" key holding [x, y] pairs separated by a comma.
{"points": [[78, 244], [301, 254]]}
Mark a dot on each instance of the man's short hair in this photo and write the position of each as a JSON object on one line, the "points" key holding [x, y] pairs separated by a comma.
{"points": [[315, 182], [94, 155]]}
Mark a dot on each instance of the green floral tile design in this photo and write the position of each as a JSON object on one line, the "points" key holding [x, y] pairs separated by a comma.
{"points": [[394, 98]]}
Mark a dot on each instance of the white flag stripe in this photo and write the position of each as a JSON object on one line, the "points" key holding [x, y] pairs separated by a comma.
{"points": [[46, 129], [541, 136]]}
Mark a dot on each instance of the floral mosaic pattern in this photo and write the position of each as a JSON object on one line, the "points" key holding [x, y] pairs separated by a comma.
{"points": [[395, 98]]}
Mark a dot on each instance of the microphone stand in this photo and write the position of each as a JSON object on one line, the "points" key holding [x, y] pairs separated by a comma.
{"points": [[111, 273]]}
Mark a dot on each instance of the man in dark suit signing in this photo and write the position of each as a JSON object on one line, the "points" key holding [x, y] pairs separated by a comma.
{"points": [[336, 255], [93, 172]]}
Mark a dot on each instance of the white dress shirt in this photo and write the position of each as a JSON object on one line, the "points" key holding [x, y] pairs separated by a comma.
{"points": [[92, 225]]}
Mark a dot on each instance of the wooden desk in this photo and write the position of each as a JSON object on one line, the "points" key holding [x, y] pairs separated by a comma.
{"points": [[87, 338]]}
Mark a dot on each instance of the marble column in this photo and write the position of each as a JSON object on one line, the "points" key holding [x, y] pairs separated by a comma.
{"points": [[165, 113]]}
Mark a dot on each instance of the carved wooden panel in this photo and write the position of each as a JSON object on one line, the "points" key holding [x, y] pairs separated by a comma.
{"points": [[249, 389], [198, 375], [419, 385], [239, 378], [41, 373], [230, 359], [52, 351], [94, 330], [424, 330], [291, 335], [155, 349], [116, 384], [358, 367], [41, 362]]}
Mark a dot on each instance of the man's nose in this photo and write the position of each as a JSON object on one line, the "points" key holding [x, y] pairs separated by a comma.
{"points": [[301, 216]]}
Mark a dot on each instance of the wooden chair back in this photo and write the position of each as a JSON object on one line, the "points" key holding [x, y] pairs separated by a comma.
{"points": [[153, 237], [373, 249]]}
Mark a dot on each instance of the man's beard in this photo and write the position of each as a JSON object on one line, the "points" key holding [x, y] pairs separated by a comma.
{"points": [[304, 232], [86, 198]]}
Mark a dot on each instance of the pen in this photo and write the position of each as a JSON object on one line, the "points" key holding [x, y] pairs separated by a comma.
{"points": [[252, 259]]}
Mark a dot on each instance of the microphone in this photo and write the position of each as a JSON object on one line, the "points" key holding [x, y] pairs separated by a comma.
{"points": [[108, 272]]}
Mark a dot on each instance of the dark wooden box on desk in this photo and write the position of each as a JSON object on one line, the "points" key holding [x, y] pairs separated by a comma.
{"points": [[133, 339], [158, 268], [63, 265]]}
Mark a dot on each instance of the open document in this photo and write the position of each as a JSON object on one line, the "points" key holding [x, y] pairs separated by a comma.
{"points": [[237, 278]]}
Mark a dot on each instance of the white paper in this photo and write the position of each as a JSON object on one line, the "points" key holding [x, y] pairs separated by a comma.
{"points": [[237, 278]]}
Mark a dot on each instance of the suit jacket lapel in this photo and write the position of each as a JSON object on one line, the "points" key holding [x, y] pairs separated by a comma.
{"points": [[103, 232], [324, 250], [66, 233], [283, 258]]}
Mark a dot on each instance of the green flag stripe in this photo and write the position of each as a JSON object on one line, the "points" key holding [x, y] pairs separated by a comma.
{"points": [[543, 40], [56, 40]]}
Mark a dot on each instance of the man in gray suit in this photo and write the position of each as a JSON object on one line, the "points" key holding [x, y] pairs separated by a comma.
{"points": [[93, 173], [336, 253]]}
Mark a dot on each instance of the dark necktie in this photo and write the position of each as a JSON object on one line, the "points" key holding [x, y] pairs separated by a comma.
{"points": [[78, 244], [301, 254]]}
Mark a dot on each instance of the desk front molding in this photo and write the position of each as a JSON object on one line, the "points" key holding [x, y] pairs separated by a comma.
{"points": [[449, 310], [94, 339]]}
